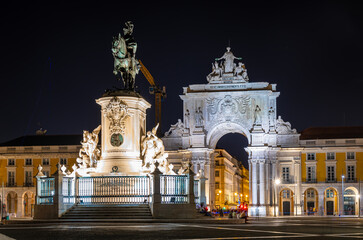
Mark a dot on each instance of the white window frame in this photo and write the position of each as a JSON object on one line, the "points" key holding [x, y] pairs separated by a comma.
{"points": [[60, 161], [31, 161], [354, 172], [310, 193], [347, 154], [31, 175], [312, 154], [286, 173], [329, 155], [215, 173], [9, 161], [313, 173], [335, 172], [7, 177], [45, 164]]}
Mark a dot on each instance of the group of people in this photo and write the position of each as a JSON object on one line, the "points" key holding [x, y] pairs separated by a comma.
{"points": [[238, 213]]}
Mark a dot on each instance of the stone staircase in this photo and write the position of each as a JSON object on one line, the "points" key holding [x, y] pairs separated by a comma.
{"points": [[141, 211]]}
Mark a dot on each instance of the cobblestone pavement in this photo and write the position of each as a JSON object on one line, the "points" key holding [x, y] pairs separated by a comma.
{"points": [[263, 228]]}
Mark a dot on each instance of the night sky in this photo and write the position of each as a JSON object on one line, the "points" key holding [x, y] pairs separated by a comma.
{"points": [[56, 59]]}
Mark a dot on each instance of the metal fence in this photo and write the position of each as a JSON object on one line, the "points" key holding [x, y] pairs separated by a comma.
{"points": [[113, 190], [174, 189], [68, 190], [46, 191]]}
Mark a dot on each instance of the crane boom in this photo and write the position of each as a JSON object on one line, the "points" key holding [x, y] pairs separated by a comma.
{"points": [[159, 93], [147, 74]]}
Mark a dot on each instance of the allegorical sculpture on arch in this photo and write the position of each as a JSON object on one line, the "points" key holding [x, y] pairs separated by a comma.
{"points": [[124, 49], [227, 70]]}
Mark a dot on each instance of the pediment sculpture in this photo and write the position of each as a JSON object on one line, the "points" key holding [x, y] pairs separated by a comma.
{"points": [[226, 70], [284, 127], [176, 130]]}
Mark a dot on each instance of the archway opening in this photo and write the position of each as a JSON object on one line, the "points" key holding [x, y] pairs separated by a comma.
{"points": [[231, 171], [350, 201], [331, 201], [286, 202], [311, 201], [12, 203], [28, 202], [234, 144]]}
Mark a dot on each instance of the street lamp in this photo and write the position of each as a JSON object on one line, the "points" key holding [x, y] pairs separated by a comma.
{"points": [[277, 182]]}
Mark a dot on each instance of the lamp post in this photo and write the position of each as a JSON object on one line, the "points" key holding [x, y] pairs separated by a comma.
{"points": [[277, 182], [342, 211]]}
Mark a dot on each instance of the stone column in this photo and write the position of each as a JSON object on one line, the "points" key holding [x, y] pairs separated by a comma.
{"points": [[20, 206], [321, 204], [201, 190], [254, 182], [190, 175], [298, 194], [250, 181], [262, 182]]}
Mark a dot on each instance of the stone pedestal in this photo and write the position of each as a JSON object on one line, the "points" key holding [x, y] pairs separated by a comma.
{"points": [[123, 119]]}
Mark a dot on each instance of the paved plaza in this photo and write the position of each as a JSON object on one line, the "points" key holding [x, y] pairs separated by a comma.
{"points": [[263, 228]]}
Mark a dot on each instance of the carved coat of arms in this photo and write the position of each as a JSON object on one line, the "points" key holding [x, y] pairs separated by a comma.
{"points": [[116, 111]]}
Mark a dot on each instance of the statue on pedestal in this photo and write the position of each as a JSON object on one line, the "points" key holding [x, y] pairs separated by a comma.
{"points": [[199, 118], [124, 52], [89, 154], [258, 115], [153, 151], [186, 119]]}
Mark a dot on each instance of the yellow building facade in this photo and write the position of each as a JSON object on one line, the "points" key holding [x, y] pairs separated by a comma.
{"points": [[19, 161], [231, 181], [331, 171]]}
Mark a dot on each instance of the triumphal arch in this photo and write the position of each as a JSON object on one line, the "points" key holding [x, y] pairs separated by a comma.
{"points": [[230, 103]]}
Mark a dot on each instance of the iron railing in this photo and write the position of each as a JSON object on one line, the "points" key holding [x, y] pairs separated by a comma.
{"points": [[330, 180], [113, 190], [174, 189], [351, 180], [68, 190], [46, 191], [310, 180]]}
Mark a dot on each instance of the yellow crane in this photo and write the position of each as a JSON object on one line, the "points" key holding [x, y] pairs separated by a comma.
{"points": [[160, 94]]}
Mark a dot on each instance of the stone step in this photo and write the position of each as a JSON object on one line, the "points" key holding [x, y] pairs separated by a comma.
{"points": [[98, 211], [108, 213], [107, 217]]}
